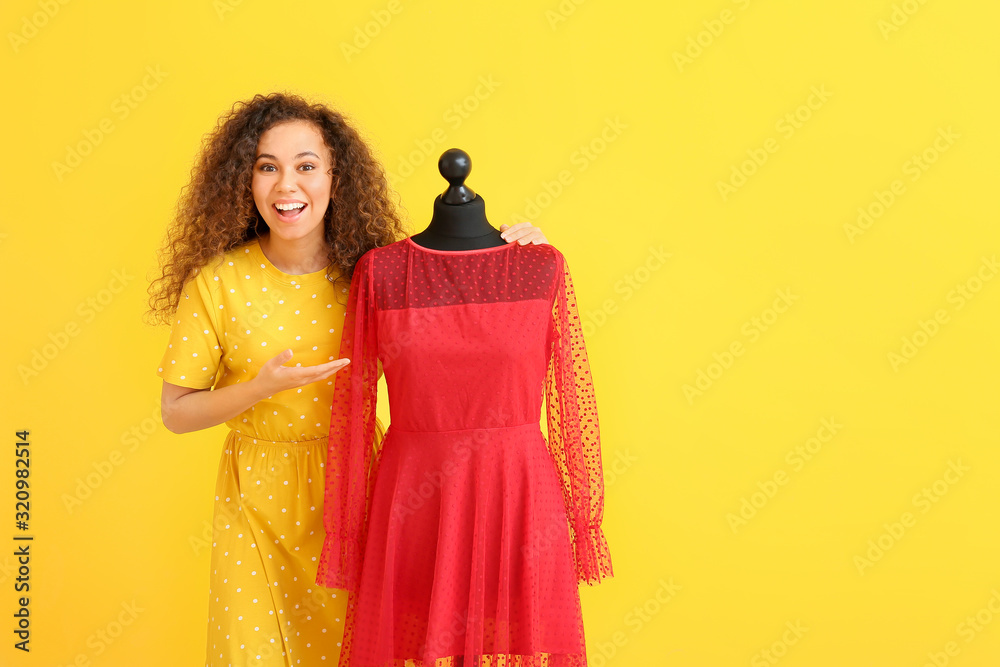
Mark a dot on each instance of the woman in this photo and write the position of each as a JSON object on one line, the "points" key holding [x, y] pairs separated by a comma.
{"points": [[284, 200]]}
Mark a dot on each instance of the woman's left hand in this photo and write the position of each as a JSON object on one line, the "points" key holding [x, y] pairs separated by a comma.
{"points": [[524, 233]]}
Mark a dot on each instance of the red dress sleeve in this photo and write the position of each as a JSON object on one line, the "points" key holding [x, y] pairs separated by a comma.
{"points": [[352, 435], [574, 435]]}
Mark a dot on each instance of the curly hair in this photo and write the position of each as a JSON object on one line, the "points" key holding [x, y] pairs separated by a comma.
{"points": [[216, 210]]}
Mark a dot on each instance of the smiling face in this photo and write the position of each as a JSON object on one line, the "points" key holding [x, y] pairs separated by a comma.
{"points": [[292, 179]]}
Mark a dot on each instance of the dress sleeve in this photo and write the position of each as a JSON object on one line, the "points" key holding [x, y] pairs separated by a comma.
{"points": [[574, 435], [193, 353], [353, 430]]}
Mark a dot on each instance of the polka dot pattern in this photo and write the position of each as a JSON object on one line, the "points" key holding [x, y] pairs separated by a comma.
{"points": [[267, 533], [261, 316], [264, 606], [463, 538], [405, 277]]}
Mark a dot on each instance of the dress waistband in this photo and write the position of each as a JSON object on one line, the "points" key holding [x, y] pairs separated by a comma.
{"points": [[512, 427], [256, 440]]}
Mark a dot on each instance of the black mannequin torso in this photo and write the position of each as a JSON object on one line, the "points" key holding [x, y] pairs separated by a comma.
{"points": [[459, 227], [459, 221]]}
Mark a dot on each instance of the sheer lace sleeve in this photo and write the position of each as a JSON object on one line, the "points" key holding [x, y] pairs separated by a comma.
{"points": [[574, 437], [353, 430]]}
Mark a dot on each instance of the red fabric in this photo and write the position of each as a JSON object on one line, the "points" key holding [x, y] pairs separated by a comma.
{"points": [[463, 539]]}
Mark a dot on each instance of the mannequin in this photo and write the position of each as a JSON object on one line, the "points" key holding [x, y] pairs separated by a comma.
{"points": [[448, 580], [459, 220]]}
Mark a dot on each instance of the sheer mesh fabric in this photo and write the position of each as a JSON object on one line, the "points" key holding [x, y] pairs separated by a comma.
{"points": [[350, 464], [574, 435], [461, 541]]}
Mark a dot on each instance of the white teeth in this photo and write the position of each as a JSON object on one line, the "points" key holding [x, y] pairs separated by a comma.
{"points": [[289, 207]]}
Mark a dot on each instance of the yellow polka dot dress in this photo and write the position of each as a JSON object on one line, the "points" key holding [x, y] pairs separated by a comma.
{"points": [[264, 605]]}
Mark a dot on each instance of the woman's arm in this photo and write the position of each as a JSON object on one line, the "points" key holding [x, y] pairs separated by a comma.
{"points": [[185, 409]]}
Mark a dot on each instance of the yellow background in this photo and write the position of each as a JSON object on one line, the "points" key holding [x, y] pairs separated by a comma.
{"points": [[535, 85]]}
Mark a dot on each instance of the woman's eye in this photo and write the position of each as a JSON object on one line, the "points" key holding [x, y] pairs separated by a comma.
{"points": [[307, 166], [266, 167]]}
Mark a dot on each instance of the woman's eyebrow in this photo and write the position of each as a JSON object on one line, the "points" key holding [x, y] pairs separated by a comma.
{"points": [[303, 153]]}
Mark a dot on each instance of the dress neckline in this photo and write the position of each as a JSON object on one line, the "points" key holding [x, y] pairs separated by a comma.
{"points": [[495, 248], [274, 272]]}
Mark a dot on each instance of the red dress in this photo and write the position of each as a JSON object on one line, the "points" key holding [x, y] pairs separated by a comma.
{"points": [[462, 541]]}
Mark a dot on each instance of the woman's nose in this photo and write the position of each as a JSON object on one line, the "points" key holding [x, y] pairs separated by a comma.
{"points": [[287, 182]]}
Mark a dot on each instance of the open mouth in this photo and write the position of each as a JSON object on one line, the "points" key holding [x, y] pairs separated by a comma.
{"points": [[289, 212]]}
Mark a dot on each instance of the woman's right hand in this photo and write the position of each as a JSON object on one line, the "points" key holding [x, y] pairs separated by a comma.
{"points": [[185, 409], [274, 376]]}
